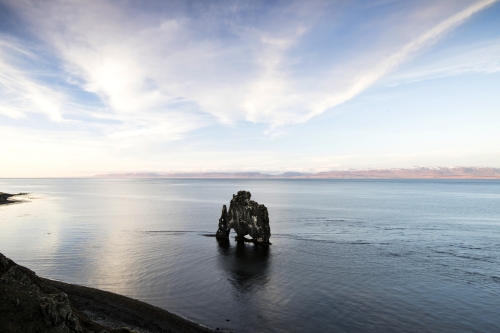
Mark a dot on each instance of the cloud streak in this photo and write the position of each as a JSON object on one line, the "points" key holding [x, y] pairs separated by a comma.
{"points": [[21, 94], [404, 54], [482, 57], [169, 66]]}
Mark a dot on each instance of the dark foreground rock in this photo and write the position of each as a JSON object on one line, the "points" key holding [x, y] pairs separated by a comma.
{"points": [[246, 217], [29, 303]]}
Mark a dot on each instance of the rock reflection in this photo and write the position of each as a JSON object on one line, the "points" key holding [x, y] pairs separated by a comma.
{"points": [[246, 265]]}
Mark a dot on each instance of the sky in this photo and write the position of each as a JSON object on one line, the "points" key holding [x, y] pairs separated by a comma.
{"points": [[93, 87]]}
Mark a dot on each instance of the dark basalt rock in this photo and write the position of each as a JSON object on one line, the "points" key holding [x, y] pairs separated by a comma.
{"points": [[5, 198], [246, 217], [28, 305]]}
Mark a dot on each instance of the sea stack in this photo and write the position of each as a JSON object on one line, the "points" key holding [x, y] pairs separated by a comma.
{"points": [[246, 217]]}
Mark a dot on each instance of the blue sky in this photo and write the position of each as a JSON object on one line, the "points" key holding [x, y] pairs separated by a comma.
{"points": [[270, 86]]}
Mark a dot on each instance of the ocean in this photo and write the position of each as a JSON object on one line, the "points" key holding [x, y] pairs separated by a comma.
{"points": [[346, 255]]}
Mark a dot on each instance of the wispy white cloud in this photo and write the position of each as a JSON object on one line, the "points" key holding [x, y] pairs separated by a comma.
{"points": [[393, 61], [20, 93], [480, 57], [166, 67]]}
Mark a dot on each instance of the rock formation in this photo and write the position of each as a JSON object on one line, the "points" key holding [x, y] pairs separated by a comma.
{"points": [[32, 304], [28, 303], [246, 217], [5, 198]]}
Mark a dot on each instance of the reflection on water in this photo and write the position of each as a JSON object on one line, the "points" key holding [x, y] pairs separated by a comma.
{"points": [[246, 265], [347, 256]]}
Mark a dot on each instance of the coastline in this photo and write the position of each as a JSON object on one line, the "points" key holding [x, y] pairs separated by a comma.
{"points": [[393, 173], [115, 311], [34, 304], [5, 198]]}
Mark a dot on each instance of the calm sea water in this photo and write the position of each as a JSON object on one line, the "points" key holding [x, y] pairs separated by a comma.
{"points": [[347, 255]]}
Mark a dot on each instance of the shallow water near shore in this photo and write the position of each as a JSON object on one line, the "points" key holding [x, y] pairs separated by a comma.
{"points": [[346, 255]]}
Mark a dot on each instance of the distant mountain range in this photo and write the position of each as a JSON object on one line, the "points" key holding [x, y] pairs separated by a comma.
{"points": [[401, 173]]}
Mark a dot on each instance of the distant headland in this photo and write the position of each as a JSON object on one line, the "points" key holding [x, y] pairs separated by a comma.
{"points": [[394, 173], [6, 198]]}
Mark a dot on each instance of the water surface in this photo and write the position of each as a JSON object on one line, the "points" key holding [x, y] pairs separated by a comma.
{"points": [[347, 255]]}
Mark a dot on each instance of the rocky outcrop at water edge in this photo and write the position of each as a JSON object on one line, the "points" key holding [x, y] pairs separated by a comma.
{"points": [[246, 217]]}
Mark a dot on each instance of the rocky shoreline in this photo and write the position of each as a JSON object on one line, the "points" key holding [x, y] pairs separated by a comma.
{"points": [[6, 198], [29, 303]]}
